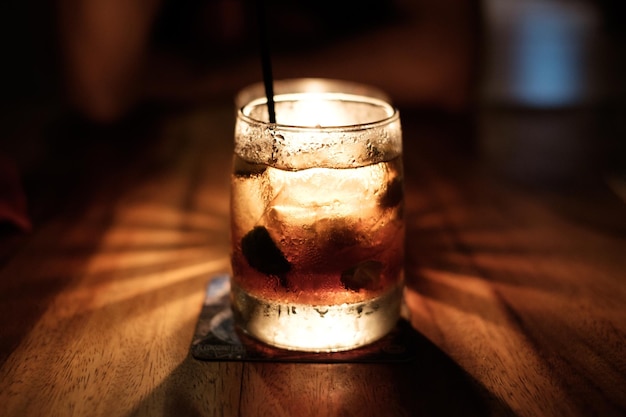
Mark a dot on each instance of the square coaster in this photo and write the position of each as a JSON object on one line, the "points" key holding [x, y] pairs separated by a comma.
{"points": [[216, 338]]}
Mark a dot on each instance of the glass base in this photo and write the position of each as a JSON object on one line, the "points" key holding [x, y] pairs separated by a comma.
{"points": [[316, 328]]}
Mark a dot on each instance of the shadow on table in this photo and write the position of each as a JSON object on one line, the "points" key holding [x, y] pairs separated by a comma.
{"points": [[431, 384], [73, 163]]}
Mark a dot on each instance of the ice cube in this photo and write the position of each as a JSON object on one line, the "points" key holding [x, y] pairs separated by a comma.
{"points": [[365, 275]]}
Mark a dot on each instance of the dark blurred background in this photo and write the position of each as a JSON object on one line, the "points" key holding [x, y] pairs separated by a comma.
{"points": [[102, 57], [540, 81]]}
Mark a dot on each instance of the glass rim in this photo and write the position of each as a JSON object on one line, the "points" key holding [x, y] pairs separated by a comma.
{"points": [[393, 112], [309, 85]]}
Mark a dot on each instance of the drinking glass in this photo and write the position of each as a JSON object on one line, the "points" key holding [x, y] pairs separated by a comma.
{"points": [[317, 226]]}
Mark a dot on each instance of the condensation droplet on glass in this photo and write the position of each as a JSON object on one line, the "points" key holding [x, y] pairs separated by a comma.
{"points": [[277, 136]]}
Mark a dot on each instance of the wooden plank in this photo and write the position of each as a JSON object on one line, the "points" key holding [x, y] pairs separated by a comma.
{"points": [[115, 337], [528, 300]]}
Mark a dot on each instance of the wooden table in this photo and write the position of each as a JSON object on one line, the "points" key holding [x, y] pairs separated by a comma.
{"points": [[516, 283]]}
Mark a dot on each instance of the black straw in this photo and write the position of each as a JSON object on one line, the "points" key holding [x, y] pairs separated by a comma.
{"points": [[266, 62]]}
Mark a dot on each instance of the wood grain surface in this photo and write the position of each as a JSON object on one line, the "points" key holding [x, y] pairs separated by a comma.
{"points": [[517, 293]]}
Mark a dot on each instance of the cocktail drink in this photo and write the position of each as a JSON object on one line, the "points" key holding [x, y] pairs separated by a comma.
{"points": [[317, 221]]}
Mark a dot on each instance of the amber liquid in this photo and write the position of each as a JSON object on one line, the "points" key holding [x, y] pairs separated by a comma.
{"points": [[318, 237]]}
